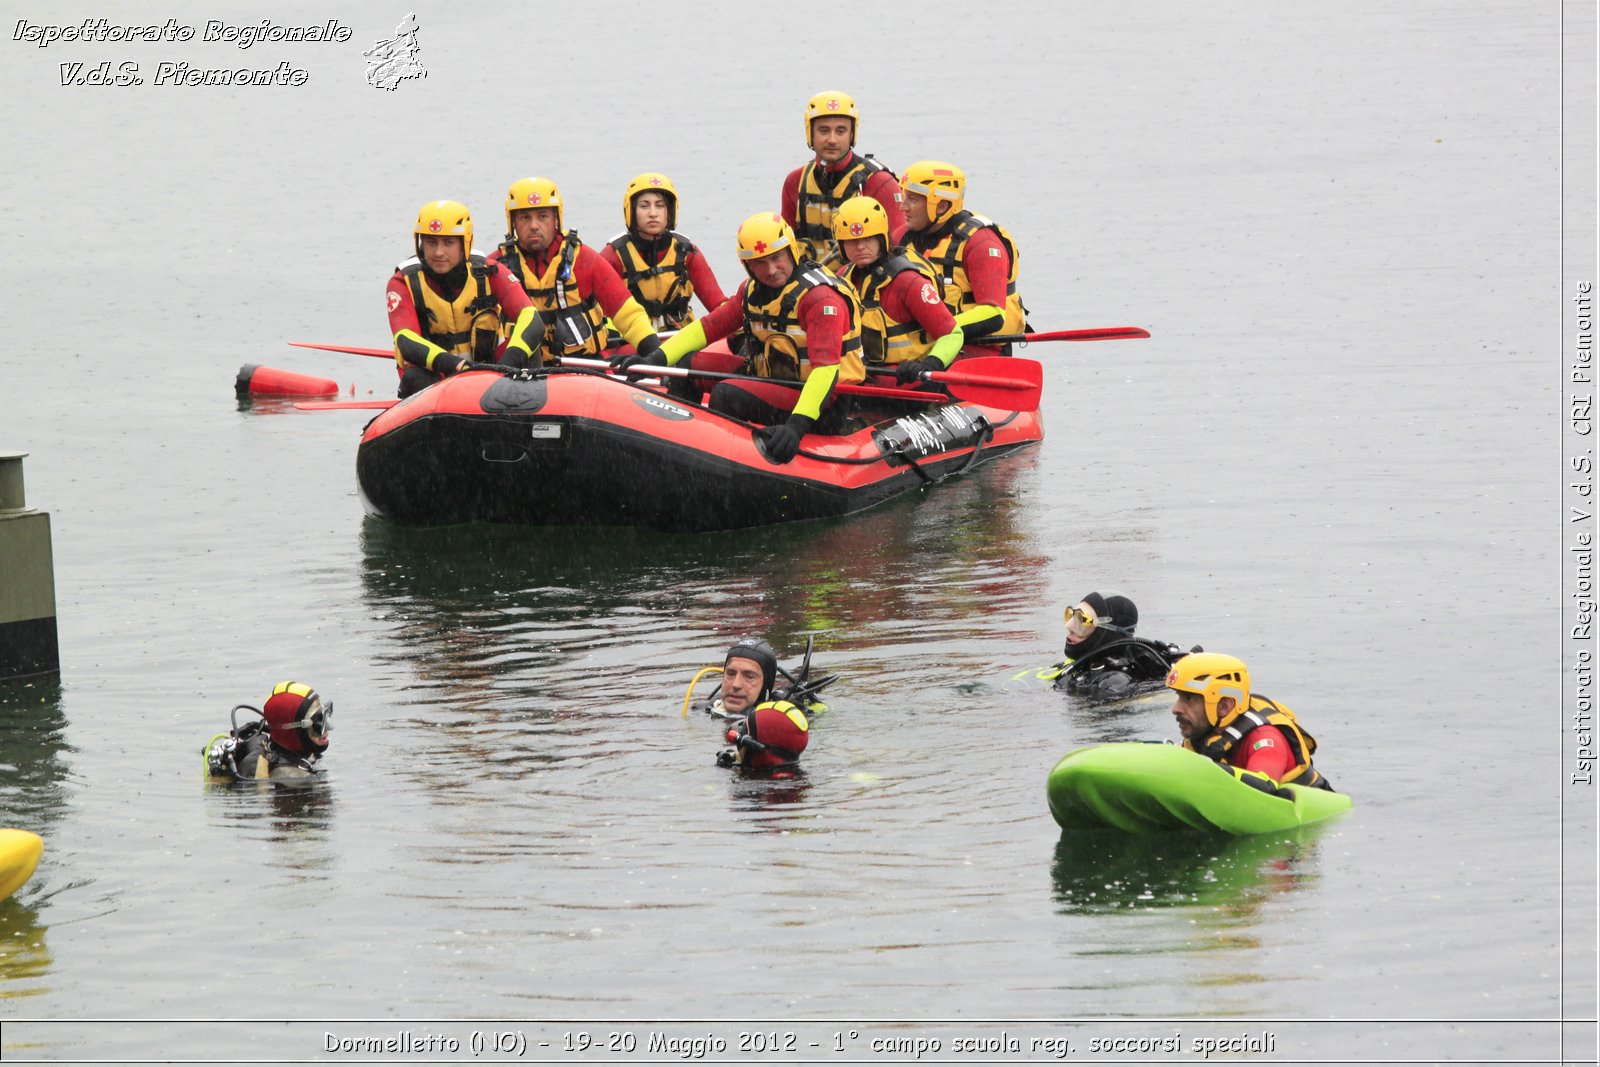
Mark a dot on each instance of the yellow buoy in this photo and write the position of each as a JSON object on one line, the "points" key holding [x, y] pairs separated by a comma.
{"points": [[19, 855]]}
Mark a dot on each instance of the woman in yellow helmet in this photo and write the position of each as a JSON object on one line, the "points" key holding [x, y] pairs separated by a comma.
{"points": [[814, 190], [662, 268]]}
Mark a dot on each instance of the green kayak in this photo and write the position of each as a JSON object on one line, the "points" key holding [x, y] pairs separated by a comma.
{"points": [[1148, 788]]}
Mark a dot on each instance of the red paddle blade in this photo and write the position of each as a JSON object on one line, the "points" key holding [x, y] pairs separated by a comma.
{"points": [[1006, 382]]}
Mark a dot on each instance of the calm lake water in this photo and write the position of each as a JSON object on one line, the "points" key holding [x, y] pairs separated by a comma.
{"points": [[1335, 458]]}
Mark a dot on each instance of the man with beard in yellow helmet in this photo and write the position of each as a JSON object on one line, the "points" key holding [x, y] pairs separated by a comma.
{"points": [[814, 190], [573, 288], [800, 324], [448, 305], [661, 267], [975, 257], [1220, 718]]}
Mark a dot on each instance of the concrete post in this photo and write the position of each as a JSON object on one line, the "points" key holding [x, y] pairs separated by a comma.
{"points": [[27, 581]]}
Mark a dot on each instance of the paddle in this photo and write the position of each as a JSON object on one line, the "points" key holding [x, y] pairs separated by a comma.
{"points": [[1017, 391], [1106, 333], [685, 372], [345, 405], [380, 353], [1005, 382]]}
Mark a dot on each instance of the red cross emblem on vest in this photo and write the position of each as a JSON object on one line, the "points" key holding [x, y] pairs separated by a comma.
{"points": [[533, 198], [761, 246], [435, 226], [855, 229], [833, 105]]}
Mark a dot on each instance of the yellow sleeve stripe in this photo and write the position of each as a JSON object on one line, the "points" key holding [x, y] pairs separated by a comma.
{"points": [[819, 383]]}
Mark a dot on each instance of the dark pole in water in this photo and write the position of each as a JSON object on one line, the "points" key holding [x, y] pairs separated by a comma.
{"points": [[27, 581]]}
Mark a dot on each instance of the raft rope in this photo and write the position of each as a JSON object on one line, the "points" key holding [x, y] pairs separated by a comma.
{"points": [[846, 461]]}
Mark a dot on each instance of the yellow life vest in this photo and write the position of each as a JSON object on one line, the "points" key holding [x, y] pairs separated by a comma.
{"points": [[815, 205], [777, 346], [575, 324], [946, 249], [883, 339], [1220, 744], [662, 288], [469, 325]]}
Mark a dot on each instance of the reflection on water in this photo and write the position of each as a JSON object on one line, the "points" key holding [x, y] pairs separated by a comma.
{"points": [[1129, 719], [33, 796], [1214, 890], [1226, 878], [32, 746], [520, 651], [296, 815], [513, 598], [772, 805], [275, 405], [24, 957]]}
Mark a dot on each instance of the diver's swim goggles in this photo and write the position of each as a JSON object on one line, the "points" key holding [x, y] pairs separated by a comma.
{"points": [[319, 723]]}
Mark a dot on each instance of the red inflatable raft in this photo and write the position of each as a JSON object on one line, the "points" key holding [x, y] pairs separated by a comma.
{"points": [[576, 448]]}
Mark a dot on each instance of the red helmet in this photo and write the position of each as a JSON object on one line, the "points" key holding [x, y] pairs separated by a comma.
{"points": [[771, 735], [297, 719]]}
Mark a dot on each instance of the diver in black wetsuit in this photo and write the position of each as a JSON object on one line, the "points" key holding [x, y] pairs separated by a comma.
{"points": [[767, 722], [284, 743], [1104, 658]]}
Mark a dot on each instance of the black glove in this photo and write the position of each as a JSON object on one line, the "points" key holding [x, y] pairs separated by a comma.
{"points": [[783, 440], [448, 365], [911, 370], [654, 358]]}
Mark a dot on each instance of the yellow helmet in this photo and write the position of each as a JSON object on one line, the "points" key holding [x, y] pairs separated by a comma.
{"points": [[936, 181], [831, 105], [651, 182], [763, 234], [1213, 676], [530, 193], [858, 217], [444, 218]]}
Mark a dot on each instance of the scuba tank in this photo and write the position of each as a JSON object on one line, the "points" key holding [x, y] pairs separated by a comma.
{"points": [[943, 428], [222, 752]]}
